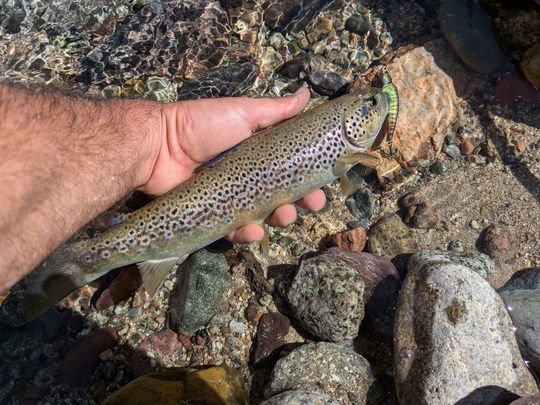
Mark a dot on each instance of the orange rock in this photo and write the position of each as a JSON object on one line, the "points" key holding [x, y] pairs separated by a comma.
{"points": [[354, 239]]}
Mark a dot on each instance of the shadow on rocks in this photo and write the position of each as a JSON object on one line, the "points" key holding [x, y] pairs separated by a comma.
{"points": [[490, 394]]}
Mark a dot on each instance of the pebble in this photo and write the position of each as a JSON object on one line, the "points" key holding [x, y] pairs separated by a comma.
{"points": [[390, 237], [361, 204], [521, 295], [353, 239], [438, 168], [157, 345], [425, 216], [446, 317], [468, 29], [410, 199], [480, 263], [497, 241], [474, 224], [271, 334], [453, 151], [330, 367], [202, 281], [382, 285], [221, 385], [326, 297], [237, 327], [300, 397], [78, 365], [466, 147]]}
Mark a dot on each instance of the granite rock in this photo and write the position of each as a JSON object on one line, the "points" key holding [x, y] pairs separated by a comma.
{"points": [[299, 397], [480, 263], [330, 367], [326, 296], [202, 281], [521, 295], [453, 340]]}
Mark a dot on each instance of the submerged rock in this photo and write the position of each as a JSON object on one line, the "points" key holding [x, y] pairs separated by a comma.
{"points": [[454, 341], [221, 385]]}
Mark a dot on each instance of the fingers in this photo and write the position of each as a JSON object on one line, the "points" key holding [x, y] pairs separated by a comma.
{"points": [[246, 234], [282, 217], [264, 112], [314, 201]]}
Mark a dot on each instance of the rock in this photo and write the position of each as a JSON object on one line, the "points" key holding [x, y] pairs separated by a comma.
{"points": [[300, 397], [221, 385], [201, 284], [468, 29], [425, 216], [480, 263], [161, 344], [521, 295], [78, 366], [271, 332], [330, 367], [530, 400], [121, 288], [382, 285], [410, 199], [530, 64], [390, 237], [438, 168], [354, 239], [361, 204], [466, 147], [427, 100], [497, 241], [453, 151], [453, 340], [326, 296], [376, 271]]}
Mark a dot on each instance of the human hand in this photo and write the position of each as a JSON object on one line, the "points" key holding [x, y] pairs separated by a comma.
{"points": [[194, 131]]}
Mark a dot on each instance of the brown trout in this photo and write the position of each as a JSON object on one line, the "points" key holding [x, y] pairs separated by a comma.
{"points": [[241, 186]]}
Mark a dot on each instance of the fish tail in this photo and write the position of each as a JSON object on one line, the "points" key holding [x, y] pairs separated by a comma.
{"points": [[52, 281]]}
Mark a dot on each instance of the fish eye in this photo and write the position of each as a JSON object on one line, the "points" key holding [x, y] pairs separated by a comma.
{"points": [[373, 100]]}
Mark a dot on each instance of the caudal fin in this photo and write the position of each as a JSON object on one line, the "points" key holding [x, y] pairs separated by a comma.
{"points": [[51, 282]]}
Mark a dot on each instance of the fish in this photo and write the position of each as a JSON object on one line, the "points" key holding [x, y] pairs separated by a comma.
{"points": [[243, 185]]}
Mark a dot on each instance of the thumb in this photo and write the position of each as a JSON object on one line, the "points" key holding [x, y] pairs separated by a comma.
{"points": [[264, 112]]}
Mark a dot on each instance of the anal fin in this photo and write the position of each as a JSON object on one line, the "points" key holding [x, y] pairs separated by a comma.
{"points": [[154, 271]]}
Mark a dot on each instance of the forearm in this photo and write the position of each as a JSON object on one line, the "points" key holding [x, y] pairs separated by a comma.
{"points": [[63, 161]]}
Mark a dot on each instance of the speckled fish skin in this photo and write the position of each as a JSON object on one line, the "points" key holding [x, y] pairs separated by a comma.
{"points": [[274, 167]]}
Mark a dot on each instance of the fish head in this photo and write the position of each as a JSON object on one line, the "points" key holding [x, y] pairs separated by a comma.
{"points": [[362, 118]]}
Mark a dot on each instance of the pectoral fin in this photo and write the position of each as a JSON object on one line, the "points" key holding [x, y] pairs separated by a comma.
{"points": [[154, 271], [369, 159]]}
